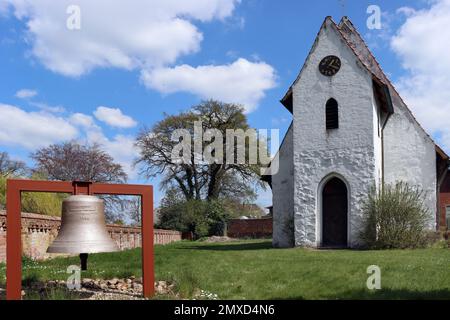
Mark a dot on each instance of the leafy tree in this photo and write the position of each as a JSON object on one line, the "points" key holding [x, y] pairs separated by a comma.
{"points": [[200, 217], [194, 178], [202, 195]]}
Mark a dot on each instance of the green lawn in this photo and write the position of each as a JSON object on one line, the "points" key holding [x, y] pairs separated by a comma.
{"points": [[253, 270]]}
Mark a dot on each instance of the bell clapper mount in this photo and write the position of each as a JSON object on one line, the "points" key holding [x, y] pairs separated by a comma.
{"points": [[83, 261]]}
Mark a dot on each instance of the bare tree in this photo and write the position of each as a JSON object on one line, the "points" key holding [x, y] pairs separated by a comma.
{"points": [[9, 167], [132, 209], [71, 161]]}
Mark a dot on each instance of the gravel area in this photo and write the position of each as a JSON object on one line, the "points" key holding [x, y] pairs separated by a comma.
{"points": [[98, 289]]}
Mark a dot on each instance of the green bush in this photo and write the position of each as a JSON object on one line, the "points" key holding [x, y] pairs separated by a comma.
{"points": [[201, 217], [217, 216], [35, 202], [394, 216]]}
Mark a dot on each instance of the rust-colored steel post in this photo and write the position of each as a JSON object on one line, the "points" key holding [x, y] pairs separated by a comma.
{"points": [[13, 242], [14, 228], [148, 275]]}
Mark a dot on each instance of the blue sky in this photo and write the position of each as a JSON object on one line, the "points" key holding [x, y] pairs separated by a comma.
{"points": [[142, 61]]}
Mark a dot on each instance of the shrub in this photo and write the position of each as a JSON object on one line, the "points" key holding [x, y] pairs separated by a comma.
{"points": [[201, 217], [216, 217], [436, 239], [183, 216], [35, 202], [394, 217]]}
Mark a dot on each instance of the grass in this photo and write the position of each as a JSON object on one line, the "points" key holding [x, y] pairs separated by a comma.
{"points": [[253, 270]]}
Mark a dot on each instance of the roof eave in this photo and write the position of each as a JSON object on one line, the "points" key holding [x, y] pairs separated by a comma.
{"points": [[442, 153], [287, 101]]}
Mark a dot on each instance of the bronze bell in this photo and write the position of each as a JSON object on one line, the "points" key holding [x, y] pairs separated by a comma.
{"points": [[83, 228]]}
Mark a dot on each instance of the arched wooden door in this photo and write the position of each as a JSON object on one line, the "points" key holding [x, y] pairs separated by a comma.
{"points": [[334, 214]]}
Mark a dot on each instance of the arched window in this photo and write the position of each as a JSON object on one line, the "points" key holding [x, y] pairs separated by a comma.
{"points": [[332, 114]]}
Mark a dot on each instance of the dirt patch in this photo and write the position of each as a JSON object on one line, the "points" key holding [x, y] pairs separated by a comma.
{"points": [[215, 239]]}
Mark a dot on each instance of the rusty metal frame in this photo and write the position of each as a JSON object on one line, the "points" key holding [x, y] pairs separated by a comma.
{"points": [[14, 188]]}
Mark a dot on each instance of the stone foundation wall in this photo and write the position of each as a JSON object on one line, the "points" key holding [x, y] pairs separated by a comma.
{"points": [[39, 231]]}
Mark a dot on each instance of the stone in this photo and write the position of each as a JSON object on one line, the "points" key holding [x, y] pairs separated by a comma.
{"points": [[120, 287], [137, 286], [112, 289]]}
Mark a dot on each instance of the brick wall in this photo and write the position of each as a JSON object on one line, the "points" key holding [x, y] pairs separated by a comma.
{"points": [[444, 200], [39, 231], [254, 228], [2, 246]]}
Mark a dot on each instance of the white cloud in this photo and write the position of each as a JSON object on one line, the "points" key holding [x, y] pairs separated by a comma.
{"points": [[45, 107], [114, 117], [150, 33], [407, 11], [120, 147], [147, 35], [32, 130], [422, 43], [3, 8], [81, 119], [242, 81], [264, 197], [378, 39], [26, 93]]}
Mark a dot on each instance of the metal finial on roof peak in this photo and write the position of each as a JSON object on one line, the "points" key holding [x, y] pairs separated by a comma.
{"points": [[343, 6]]}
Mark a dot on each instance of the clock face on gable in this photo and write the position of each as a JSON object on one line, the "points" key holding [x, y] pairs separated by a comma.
{"points": [[329, 66]]}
